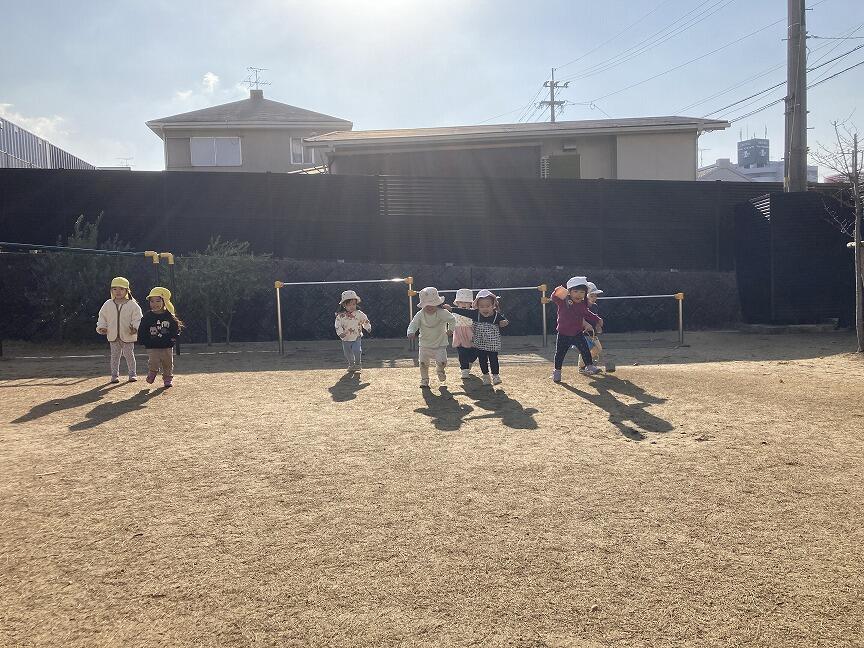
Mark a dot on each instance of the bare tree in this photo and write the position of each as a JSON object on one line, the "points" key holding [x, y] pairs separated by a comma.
{"points": [[845, 159]]}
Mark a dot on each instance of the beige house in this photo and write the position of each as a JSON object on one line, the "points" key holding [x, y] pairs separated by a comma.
{"points": [[648, 148], [255, 135]]}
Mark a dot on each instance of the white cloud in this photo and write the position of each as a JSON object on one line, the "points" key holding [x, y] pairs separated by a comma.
{"points": [[210, 82], [49, 128], [183, 95]]}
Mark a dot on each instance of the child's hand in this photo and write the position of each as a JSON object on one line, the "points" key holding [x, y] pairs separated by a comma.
{"points": [[589, 329], [503, 323], [133, 330], [560, 292], [102, 331], [446, 307]]}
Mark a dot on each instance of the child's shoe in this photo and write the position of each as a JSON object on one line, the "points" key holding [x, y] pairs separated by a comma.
{"points": [[424, 384], [133, 379], [442, 376], [496, 379], [556, 375], [115, 380], [151, 377], [168, 381], [590, 370], [486, 379], [466, 373]]}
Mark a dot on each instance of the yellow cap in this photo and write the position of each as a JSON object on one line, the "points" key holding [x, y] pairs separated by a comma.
{"points": [[122, 282], [165, 294]]}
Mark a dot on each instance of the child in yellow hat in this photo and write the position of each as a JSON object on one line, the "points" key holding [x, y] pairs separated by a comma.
{"points": [[159, 330], [118, 320]]}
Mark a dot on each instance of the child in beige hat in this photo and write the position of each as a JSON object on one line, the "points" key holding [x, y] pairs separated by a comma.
{"points": [[432, 323]]}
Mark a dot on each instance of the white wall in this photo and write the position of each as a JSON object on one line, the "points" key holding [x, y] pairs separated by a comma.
{"points": [[657, 156]]}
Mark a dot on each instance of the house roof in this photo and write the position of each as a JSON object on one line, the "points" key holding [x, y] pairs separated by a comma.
{"points": [[515, 131], [256, 111]]}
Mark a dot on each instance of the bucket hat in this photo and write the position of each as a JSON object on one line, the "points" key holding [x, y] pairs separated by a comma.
{"points": [[349, 294], [429, 297]]}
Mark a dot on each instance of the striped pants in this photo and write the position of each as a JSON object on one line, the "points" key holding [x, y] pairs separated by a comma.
{"points": [[126, 350]]}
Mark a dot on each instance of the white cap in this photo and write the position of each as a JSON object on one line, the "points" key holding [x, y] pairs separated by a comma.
{"points": [[430, 297], [593, 289], [464, 295], [573, 282]]}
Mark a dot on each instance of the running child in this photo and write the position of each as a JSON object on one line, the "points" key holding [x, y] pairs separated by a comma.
{"points": [[463, 332], [119, 319], [159, 330], [432, 323], [593, 340], [488, 322], [350, 324], [573, 313]]}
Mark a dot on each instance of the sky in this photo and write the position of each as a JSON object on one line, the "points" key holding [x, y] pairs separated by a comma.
{"points": [[87, 75]]}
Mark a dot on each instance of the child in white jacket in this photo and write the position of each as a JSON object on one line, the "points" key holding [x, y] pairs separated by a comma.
{"points": [[432, 323], [350, 324], [118, 320]]}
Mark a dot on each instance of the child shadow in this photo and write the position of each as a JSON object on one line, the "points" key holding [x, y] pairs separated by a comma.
{"points": [[620, 414], [346, 388], [70, 402], [499, 405], [445, 411], [109, 411]]}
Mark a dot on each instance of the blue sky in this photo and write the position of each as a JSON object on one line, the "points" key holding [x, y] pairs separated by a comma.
{"points": [[87, 75]]}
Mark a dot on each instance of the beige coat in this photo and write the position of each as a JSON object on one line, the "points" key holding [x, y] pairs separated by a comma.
{"points": [[120, 320]]}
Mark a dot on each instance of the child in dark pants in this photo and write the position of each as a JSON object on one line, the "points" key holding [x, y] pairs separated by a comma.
{"points": [[488, 322], [463, 332], [573, 312]]}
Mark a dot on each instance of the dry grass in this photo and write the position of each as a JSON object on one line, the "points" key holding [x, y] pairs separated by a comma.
{"points": [[269, 502]]}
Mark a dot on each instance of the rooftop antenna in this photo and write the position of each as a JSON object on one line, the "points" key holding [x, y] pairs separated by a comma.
{"points": [[701, 157], [252, 80]]}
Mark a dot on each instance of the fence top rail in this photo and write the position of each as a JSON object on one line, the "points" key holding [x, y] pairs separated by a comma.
{"points": [[676, 296], [60, 248], [494, 289], [281, 284]]}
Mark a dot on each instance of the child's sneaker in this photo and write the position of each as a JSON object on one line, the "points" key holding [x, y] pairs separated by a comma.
{"points": [[590, 370], [556, 375], [424, 384], [133, 379], [496, 379], [442, 375], [466, 373], [151, 377], [486, 379], [168, 381], [114, 380]]}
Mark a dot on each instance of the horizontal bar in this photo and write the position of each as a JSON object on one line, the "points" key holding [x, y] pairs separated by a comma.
{"points": [[640, 297], [321, 283], [494, 289], [60, 248]]}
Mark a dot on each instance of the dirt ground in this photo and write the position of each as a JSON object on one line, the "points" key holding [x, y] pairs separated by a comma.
{"points": [[702, 496]]}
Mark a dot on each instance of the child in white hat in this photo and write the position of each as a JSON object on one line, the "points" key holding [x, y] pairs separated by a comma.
{"points": [[487, 320], [432, 323], [463, 332], [593, 339], [350, 324], [119, 319], [573, 313]]}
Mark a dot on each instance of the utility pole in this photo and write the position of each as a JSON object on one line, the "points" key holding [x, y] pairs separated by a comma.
{"points": [[553, 85], [796, 99], [859, 252]]}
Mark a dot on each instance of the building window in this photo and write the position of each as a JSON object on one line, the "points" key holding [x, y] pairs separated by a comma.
{"points": [[301, 154], [215, 151]]}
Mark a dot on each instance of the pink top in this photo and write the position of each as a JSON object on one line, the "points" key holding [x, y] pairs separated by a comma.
{"points": [[463, 333]]}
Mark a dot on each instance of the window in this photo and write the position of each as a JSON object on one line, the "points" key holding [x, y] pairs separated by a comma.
{"points": [[301, 154], [215, 151]]}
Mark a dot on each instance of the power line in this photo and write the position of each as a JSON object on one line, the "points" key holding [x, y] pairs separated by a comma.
{"points": [[812, 85], [655, 39], [609, 40], [693, 60]]}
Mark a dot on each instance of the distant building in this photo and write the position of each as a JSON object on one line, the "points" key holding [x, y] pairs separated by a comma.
{"points": [[255, 134], [21, 149], [754, 165], [649, 148]]}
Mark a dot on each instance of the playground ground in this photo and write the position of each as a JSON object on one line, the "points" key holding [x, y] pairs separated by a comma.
{"points": [[704, 496]]}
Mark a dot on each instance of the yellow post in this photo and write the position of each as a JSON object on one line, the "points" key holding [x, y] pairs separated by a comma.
{"points": [[411, 294], [278, 285], [680, 297], [152, 254], [543, 301]]}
